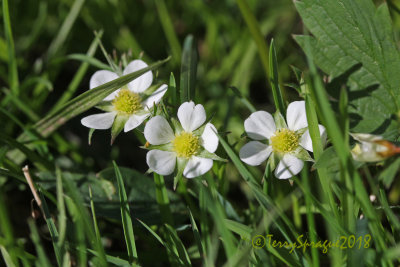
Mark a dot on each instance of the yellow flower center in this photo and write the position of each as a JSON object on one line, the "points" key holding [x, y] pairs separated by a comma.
{"points": [[127, 102], [186, 145], [285, 141]]}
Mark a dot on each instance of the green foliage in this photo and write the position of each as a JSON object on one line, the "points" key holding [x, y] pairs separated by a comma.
{"points": [[234, 58], [353, 43]]}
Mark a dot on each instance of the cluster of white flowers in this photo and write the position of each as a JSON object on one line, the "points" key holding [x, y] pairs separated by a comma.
{"points": [[188, 145]]}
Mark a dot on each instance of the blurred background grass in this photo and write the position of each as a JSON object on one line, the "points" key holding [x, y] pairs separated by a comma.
{"points": [[45, 33]]}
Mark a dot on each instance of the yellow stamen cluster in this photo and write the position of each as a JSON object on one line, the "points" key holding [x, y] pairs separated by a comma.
{"points": [[186, 145], [285, 141], [127, 102]]}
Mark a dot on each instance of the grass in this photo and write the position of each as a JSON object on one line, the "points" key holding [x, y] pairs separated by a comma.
{"points": [[101, 206]]}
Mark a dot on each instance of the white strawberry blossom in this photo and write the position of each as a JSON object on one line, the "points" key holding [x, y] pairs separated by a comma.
{"points": [[189, 142], [285, 141], [127, 101]]}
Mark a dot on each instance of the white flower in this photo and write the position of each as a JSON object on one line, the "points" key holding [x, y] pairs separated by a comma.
{"points": [[286, 142], [128, 102], [372, 148], [190, 145]]}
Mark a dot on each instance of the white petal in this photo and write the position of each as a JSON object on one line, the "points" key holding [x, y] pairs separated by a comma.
{"points": [[158, 131], [141, 83], [296, 115], [197, 166], [191, 116], [155, 97], [101, 77], [260, 125], [134, 121], [162, 162], [288, 166], [100, 121], [254, 153], [210, 138], [305, 140]]}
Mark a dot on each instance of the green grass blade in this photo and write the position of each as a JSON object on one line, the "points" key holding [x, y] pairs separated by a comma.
{"points": [[95, 225], [42, 258], [62, 217], [243, 99], [196, 234], [126, 217], [188, 70], [113, 260], [31, 155], [274, 80], [12, 60], [65, 29], [312, 230], [162, 199], [73, 85], [90, 60], [82, 214], [169, 31], [7, 257], [178, 245], [255, 31], [317, 151], [170, 250], [78, 232], [217, 212], [52, 229], [6, 233]]}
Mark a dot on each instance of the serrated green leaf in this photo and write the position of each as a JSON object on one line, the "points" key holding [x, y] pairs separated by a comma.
{"points": [[353, 43]]}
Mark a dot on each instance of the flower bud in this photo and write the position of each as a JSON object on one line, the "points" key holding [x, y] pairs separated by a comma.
{"points": [[372, 148]]}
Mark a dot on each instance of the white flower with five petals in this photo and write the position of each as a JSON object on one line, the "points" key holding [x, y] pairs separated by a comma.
{"points": [[189, 144], [130, 103], [286, 141]]}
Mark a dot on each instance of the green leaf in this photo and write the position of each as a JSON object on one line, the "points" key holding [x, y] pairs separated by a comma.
{"points": [[353, 43], [274, 80], [188, 69]]}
